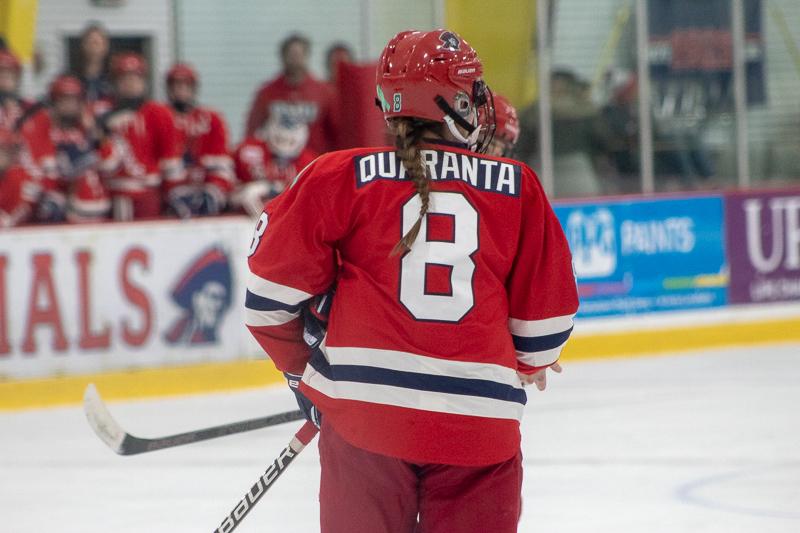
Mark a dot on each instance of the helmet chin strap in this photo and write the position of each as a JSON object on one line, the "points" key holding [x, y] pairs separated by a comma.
{"points": [[453, 119]]}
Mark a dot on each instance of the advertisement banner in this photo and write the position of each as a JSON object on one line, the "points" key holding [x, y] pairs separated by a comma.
{"points": [[764, 246], [83, 299], [647, 255]]}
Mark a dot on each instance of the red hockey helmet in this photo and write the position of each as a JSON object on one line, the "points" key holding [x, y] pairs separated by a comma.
{"points": [[506, 120], [436, 76], [65, 86], [128, 63], [182, 72], [9, 61]]}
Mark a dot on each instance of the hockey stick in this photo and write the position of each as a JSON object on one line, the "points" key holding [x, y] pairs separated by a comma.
{"points": [[299, 441], [124, 443]]}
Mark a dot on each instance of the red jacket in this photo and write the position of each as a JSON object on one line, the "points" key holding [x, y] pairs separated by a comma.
{"points": [[64, 163], [18, 195], [310, 102], [141, 152], [255, 162], [421, 356], [203, 139]]}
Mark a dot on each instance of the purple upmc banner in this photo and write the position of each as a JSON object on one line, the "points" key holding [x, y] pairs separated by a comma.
{"points": [[763, 242]]}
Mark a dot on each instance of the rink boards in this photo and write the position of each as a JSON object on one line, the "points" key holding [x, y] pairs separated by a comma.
{"points": [[156, 308]]}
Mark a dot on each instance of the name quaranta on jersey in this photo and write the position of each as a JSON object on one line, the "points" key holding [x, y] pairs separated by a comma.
{"points": [[482, 174]]}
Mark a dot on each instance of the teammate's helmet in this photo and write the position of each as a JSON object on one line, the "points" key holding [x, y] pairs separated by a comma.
{"points": [[10, 61], [182, 72], [436, 76], [65, 86], [506, 119], [128, 63]]}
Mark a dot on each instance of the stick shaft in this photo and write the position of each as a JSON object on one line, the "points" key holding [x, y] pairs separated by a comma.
{"points": [[278, 467]]}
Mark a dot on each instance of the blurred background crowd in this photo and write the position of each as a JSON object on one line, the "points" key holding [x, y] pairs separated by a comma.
{"points": [[118, 128]]}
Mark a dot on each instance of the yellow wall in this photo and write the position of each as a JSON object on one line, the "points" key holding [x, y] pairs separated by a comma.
{"points": [[503, 33], [18, 26]]}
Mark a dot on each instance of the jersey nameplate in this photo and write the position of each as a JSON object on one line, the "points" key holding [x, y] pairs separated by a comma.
{"points": [[482, 174]]}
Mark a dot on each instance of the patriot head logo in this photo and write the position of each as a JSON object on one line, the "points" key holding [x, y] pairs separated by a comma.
{"points": [[203, 291], [450, 41]]}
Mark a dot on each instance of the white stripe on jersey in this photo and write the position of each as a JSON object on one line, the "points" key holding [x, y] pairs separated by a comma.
{"points": [[539, 328], [455, 404], [257, 319], [275, 291], [545, 358], [421, 364]]}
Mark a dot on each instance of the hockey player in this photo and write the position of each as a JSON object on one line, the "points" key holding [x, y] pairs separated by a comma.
{"points": [[60, 152], [203, 140], [268, 162], [18, 191], [12, 107], [506, 132], [299, 95], [419, 380], [140, 158]]}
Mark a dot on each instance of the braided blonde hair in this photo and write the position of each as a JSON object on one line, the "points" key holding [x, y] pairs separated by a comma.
{"points": [[408, 137]]}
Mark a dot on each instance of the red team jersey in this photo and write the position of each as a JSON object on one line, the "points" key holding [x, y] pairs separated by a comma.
{"points": [[255, 162], [63, 160], [310, 102], [18, 195], [204, 141], [422, 351], [142, 153]]}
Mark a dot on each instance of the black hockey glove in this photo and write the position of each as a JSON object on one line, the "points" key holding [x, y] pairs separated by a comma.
{"points": [[315, 324]]}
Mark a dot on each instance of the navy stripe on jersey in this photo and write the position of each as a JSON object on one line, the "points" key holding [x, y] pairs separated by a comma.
{"points": [[260, 303], [542, 343], [417, 381]]}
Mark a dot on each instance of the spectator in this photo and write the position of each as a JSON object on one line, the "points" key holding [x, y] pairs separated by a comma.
{"points": [[203, 141], [577, 136], [297, 95], [59, 152], [18, 191], [92, 68], [506, 131], [140, 160], [12, 107], [267, 164], [337, 53]]}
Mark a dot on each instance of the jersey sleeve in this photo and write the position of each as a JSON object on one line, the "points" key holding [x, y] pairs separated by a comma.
{"points": [[542, 293], [293, 258], [168, 148], [259, 111], [215, 159]]}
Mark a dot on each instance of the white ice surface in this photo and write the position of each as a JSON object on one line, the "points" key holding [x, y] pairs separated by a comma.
{"points": [[700, 443]]}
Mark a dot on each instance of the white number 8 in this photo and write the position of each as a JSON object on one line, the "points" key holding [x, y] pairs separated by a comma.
{"points": [[455, 254], [261, 227]]}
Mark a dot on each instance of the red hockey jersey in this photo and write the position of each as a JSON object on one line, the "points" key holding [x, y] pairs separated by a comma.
{"points": [[422, 351], [18, 195], [141, 152], [64, 161], [255, 162], [311, 102], [203, 139]]}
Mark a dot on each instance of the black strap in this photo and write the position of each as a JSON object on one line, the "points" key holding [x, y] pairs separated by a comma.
{"points": [[450, 112]]}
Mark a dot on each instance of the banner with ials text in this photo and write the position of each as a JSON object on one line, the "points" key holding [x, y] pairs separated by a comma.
{"points": [[83, 299], [639, 256]]}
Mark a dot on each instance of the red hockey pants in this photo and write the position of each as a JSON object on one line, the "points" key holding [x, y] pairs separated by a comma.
{"points": [[364, 492]]}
